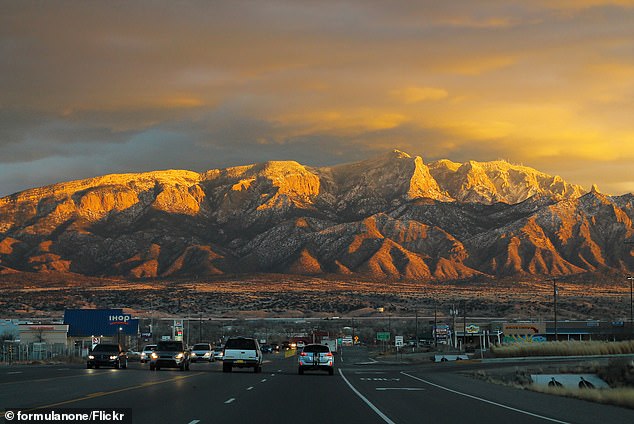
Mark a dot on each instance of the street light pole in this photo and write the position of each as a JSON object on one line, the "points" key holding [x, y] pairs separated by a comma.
{"points": [[454, 312]]}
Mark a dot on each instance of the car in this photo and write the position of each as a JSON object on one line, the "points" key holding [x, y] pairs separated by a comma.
{"points": [[316, 357], [169, 354], [146, 352], [201, 352], [242, 352], [266, 348], [133, 355], [108, 355], [218, 353]]}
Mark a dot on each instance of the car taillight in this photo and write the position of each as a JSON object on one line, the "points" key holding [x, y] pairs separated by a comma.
{"points": [[329, 354], [303, 354]]}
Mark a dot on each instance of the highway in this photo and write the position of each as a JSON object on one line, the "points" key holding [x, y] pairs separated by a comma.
{"points": [[360, 392]]}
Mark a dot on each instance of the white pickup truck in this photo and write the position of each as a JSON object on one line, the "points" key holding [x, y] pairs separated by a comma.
{"points": [[242, 352]]}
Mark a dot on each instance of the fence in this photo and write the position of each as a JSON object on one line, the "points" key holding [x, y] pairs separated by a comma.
{"points": [[11, 352]]}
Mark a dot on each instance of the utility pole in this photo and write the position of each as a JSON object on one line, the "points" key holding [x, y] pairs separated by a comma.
{"points": [[416, 335], [631, 303], [352, 330], [631, 287], [435, 325], [464, 324], [200, 327], [555, 292]]}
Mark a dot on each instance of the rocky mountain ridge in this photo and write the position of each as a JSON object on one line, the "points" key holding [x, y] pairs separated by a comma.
{"points": [[390, 217]]}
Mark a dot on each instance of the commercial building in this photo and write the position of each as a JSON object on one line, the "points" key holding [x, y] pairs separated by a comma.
{"points": [[88, 327]]}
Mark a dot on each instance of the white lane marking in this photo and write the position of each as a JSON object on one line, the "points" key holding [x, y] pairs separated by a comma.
{"points": [[250, 388], [263, 380], [485, 400], [367, 402], [369, 372], [14, 372], [194, 421], [230, 400], [409, 389]]}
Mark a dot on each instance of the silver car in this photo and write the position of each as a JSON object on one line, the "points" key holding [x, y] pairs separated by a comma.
{"points": [[316, 357], [147, 351], [201, 352]]}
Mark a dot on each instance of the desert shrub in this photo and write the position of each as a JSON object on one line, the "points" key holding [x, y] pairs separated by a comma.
{"points": [[619, 397], [566, 348]]}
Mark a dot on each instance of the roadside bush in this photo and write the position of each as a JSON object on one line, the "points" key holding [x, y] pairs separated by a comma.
{"points": [[566, 348]]}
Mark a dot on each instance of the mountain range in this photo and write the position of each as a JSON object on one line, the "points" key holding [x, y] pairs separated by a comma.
{"points": [[390, 217]]}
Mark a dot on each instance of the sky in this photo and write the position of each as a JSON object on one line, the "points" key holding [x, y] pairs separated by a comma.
{"points": [[96, 87]]}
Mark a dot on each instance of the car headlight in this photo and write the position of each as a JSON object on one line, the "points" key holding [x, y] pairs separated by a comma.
{"points": [[154, 355], [207, 354], [179, 356], [113, 357], [91, 357]]}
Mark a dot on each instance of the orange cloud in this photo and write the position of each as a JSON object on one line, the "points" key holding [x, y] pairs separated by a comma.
{"points": [[410, 95]]}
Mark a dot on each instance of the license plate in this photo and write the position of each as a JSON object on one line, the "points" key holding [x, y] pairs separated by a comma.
{"points": [[239, 361]]}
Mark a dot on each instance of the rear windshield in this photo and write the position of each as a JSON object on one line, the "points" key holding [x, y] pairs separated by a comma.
{"points": [[106, 348], [201, 347], [240, 343], [149, 347], [170, 346], [317, 349]]}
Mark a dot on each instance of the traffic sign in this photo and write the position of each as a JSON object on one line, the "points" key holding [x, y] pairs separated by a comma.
{"points": [[96, 340], [383, 336], [398, 341]]}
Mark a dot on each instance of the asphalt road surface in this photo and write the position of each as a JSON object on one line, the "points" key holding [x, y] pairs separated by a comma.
{"points": [[359, 392]]}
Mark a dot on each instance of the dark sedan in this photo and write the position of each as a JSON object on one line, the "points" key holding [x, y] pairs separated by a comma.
{"points": [[107, 355]]}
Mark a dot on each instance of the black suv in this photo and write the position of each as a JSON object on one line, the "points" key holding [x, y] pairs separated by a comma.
{"points": [[108, 355], [170, 354]]}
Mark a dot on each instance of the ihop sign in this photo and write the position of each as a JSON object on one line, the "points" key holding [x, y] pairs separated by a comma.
{"points": [[121, 319]]}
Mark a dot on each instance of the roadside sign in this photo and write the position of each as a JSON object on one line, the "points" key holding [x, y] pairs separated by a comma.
{"points": [[398, 341], [473, 329], [383, 336], [95, 341]]}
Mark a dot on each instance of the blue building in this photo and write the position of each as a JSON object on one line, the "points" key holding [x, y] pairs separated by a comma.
{"points": [[88, 327]]}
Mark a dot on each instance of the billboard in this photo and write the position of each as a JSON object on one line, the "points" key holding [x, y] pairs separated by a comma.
{"points": [[99, 322]]}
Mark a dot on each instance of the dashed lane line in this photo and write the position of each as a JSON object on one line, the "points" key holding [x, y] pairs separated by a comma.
{"points": [[230, 400], [194, 422], [250, 388], [490, 402]]}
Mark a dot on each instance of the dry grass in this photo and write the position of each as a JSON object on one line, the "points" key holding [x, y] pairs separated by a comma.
{"points": [[619, 397], [567, 348]]}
